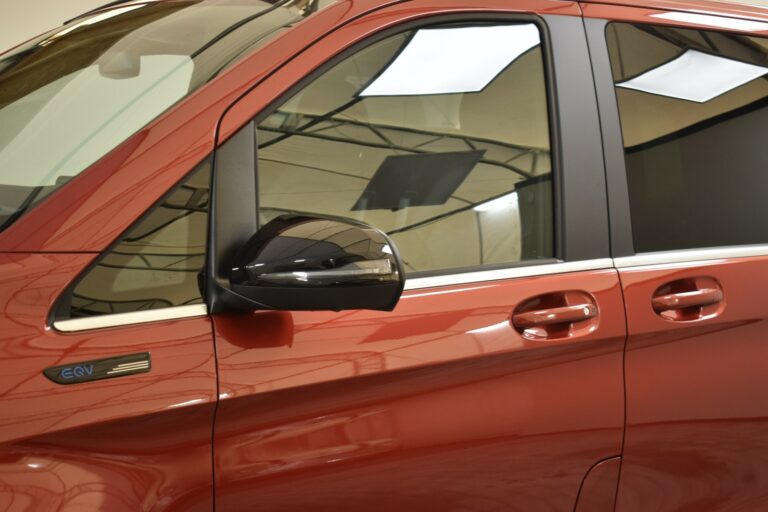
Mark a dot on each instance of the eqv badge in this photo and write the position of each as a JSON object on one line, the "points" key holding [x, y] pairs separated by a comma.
{"points": [[99, 369]]}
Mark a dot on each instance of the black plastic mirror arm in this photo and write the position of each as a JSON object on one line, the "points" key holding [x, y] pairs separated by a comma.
{"points": [[232, 218]]}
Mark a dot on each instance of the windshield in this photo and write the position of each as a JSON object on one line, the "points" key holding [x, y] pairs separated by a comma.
{"points": [[72, 95]]}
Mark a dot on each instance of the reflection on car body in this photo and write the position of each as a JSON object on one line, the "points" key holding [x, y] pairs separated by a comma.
{"points": [[364, 255]]}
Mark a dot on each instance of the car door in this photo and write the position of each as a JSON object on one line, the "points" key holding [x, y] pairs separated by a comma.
{"points": [[496, 382], [108, 401], [687, 189], [107, 363]]}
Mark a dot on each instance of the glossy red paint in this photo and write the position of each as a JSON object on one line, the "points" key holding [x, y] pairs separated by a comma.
{"points": [[141, 442], [438, 404], [556, 316], [144, 442], [697, 420], [696, 423], [598, 491]]}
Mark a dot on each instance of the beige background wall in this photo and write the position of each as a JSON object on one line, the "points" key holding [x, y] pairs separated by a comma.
{"points": [[23, 19]]}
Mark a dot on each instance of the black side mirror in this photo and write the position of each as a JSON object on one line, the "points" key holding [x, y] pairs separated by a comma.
{"points": [[308, 263]]}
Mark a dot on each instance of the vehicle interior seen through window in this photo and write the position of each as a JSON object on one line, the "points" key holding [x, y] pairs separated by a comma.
{"points": [[115, 71], [454, 167], [695, 147], [456, 171]]}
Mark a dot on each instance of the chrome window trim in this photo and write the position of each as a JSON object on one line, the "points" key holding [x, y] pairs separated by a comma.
{"points": [[197, 310], [691, 255], [507, 273], [420, 283], [132, 318]]}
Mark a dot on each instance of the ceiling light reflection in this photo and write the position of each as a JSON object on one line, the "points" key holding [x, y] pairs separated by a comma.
{"points": [[695, 76], [714, 21], [490, 328], [507, 201], [95, 19], [442, 292], [453, 60], [188, 402]]}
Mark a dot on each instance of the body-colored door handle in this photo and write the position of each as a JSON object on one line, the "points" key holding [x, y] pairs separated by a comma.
{"points": [[690, 299], [562, 315], [553, 316], [681, 300]]}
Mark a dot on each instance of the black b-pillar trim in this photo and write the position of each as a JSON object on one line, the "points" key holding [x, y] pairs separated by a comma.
{"points": [[613, 144], [233, 214], [583, 216]]}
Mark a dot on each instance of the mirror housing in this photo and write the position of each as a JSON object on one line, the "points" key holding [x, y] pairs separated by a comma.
{"points": [[308, 263]]}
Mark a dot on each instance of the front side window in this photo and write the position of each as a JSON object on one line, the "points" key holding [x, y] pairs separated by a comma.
{"points": [[694, 116], [74, 94], [157, 263], [438, 136]]}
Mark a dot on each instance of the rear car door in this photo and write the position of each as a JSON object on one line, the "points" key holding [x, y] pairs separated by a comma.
{"points": [[496, 383], [687, 194]]}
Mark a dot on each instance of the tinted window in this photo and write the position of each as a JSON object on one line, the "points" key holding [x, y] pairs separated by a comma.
{"points": [[438, 136], [156, 264], [694, 115]]}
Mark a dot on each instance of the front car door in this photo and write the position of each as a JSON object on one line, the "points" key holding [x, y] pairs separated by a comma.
{"points": [[107, 362], [687, 189], [496, 383]]}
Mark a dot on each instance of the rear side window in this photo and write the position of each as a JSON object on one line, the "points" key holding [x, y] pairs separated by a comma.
{"points": [[694, 117], [438, 136]]}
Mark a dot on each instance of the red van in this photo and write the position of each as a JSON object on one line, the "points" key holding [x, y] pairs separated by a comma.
{"points": [[391, 255]]}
